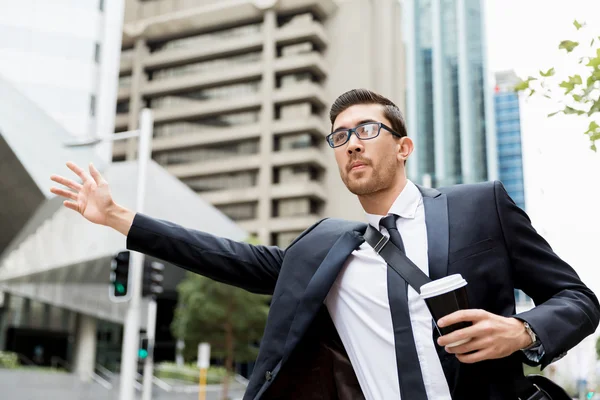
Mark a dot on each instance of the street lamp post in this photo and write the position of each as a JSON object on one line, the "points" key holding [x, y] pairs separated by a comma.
{"points": [[131, 333]]}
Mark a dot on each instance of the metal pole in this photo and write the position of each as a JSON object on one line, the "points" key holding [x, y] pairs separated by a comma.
{"points": [[132, 320], [149, 364]]}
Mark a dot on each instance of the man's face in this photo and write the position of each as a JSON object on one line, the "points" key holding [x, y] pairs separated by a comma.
{"points": [[368, 166]]}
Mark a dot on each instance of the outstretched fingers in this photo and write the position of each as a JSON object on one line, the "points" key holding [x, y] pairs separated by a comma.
{"points": [[69, 204], [96, 175], [67, 182], [64, 193], [80, 172]]}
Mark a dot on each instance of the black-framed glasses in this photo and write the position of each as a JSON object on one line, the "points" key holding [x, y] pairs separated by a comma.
{"points": [[365, 131]]}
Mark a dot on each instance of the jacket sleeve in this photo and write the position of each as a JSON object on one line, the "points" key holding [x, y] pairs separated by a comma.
{"points": [[566, 309], [254, 268]]}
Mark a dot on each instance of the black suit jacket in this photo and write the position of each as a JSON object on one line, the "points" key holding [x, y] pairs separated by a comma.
{"points": [[475, 230]]}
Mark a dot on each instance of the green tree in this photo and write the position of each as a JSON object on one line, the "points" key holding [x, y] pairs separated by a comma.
{"points": [[230, 319], [576, 87], [598, 348]]}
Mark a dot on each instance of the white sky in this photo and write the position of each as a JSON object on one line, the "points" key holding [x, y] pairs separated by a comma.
{"points": [[562, 175]]}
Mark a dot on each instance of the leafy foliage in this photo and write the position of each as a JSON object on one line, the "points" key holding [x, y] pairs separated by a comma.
{"points": [[578, 93], [208, 309]]}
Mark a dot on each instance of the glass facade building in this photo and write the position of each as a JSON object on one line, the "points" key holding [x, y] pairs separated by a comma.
{"points": [[449, 108], [508, 128]]}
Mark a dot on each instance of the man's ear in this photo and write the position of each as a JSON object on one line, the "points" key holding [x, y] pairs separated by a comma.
{"points": [[405, 148]]}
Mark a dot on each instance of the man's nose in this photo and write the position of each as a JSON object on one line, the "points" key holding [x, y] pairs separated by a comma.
{"points": [[355, 145]]}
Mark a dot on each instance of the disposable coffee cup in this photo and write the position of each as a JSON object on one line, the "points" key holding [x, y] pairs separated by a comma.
{"points": [[443, 297]]}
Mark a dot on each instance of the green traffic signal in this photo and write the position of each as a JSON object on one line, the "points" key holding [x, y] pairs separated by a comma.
{"points": [[142, 353], [120, 288]]}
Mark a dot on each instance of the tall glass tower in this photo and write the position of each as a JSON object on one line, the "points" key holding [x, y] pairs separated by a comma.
{"points": [[508, 128], [449, 98]]}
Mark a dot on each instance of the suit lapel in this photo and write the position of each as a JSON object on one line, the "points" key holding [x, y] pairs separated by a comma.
{"points": [[319, 286], [436, 220]]}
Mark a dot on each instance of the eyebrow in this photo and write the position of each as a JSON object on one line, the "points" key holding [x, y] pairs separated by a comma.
{"points": [[364, 121]]}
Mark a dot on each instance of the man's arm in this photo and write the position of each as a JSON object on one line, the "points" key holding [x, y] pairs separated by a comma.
{"points": [[566, 309], [254, 268]]}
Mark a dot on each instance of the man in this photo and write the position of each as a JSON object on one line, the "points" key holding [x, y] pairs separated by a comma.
{"points": [[342, 323]]}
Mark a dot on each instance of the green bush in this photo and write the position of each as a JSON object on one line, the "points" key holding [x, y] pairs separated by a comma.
{"points": [[189, 373], [9, 360]]}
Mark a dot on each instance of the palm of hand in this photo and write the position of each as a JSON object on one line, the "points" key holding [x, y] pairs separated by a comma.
{"points": [[92, 199]]}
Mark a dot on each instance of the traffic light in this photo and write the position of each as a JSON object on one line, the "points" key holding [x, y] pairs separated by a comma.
{"points": [[144, 349], [153, 278], [119, 277], [143, 353]]}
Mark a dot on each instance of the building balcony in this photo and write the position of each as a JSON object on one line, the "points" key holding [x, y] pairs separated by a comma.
{"points": [[211, 49], [197, 138], [301, 92], [233, 164], [194, 81], [123, 93], [297, 223], [230, 196], [282, 224], [121, 122], [312, 124], [168, 18], [126, 62], [313, 190], [303, 32], [310, 156], [208, 107], [312, 62]]}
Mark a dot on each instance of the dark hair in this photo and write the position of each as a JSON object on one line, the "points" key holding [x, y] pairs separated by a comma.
{"points": [[364, 96]]}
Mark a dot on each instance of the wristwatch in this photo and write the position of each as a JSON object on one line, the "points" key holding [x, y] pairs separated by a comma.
{"points": [[531, 334]]}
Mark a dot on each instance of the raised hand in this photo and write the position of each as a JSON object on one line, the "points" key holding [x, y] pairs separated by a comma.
{"points": [[91, 198]]}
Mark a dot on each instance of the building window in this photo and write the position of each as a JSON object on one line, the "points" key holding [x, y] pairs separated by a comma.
{"points": [[101, 5], [235, 180], [283, 239], [97, 53], [208, 153], [239, 212], [93, 105]]}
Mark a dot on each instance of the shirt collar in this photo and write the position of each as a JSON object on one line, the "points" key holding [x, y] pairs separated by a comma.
{"points": [[405, 205]]}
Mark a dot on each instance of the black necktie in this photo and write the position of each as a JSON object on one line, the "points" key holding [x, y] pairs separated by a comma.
{"points": [[409, 369]]}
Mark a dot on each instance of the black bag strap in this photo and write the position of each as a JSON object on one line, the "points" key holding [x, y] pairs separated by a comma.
{"points": [[396, 259]]}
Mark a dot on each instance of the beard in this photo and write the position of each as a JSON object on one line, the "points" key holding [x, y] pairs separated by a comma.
{"points": [[372, 179]]}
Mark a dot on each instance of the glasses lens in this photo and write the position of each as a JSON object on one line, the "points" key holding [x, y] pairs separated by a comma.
{"points": [[339, 138], [367, 131]]}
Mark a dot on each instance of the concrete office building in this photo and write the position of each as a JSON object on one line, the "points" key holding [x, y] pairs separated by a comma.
{"points": [[241, 92], [450, 111]]}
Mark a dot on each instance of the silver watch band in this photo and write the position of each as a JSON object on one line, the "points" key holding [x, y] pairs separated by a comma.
{"points": [[531, 334]]}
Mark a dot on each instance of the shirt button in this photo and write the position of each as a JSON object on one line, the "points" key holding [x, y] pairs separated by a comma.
{"points": [[268, 375]]}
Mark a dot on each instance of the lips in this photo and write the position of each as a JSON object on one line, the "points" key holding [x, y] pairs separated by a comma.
{"points": [[356, 165]]}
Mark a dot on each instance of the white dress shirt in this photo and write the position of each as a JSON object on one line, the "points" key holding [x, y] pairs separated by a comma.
{"points": [[359, 307]]}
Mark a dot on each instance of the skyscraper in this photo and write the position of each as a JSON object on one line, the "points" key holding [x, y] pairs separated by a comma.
{"points": [[241, 91], [449, 108], [508, 128]]}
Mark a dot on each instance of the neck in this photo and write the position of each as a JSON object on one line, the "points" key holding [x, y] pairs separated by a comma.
{"points": [[380, 202]]}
